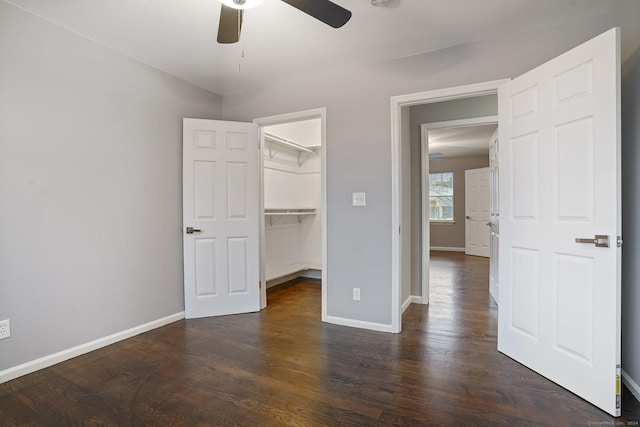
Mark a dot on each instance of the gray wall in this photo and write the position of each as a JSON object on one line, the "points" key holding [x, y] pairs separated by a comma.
{"points": [[480, 106], [358, 140], [631, 217], [453, 235], [90, 188]]}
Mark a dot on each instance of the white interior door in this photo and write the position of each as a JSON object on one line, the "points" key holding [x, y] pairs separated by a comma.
{"points": [[220, 217], [559, 310], [476, 199], [494, 215]]}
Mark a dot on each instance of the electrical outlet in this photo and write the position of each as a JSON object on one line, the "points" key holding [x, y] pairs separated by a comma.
{"points": [[5, 329], [356, 294]]}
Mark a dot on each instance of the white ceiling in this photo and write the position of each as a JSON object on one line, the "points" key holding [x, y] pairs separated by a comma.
{"points": [[461, 141], [282, 43]]}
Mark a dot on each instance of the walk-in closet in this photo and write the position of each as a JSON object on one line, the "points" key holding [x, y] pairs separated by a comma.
{"points": [[292, 201]]}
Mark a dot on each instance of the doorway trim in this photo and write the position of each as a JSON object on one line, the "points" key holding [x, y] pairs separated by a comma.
{"points": [[397, 103], [317, 113], [424, 173]]}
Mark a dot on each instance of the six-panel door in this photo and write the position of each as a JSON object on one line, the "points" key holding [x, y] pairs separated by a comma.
{"points": [[221, 204]]}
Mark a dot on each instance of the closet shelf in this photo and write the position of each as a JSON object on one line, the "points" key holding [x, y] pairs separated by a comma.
{"points": [[274, 142], [299, 212], [296, 211]]}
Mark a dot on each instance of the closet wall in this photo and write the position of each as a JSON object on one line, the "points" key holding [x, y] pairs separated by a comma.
{"points": [[292, 201]]}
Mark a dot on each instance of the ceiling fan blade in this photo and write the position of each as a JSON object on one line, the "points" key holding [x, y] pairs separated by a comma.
{"points": [[230, 25], [323, 10]]}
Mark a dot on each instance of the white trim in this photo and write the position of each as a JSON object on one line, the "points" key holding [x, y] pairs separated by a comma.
{"points": [[407, 303], [411, 299], [314, 273], [445, 249], [397, 103], [291, 269], [373, 326], [424, 218], [633, 386], [61, 356], [320, 113], [474, 121], [263, 224]]}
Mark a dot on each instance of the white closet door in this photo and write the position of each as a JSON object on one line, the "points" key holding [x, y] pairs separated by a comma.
{"points": [[494, 217], [220, 217]]}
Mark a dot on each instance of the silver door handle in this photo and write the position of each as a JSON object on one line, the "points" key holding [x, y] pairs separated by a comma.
{"points": [[191, 230], [601, 240]]}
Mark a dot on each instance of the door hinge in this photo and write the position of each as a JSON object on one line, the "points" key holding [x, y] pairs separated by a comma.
{"points": [[619, 241], [618, 390]]}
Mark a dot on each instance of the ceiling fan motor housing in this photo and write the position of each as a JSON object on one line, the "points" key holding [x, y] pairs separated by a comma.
{"points": [[241, 4]]}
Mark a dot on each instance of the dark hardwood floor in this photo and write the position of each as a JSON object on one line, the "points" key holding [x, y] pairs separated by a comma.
{"points": [[283, 366]]}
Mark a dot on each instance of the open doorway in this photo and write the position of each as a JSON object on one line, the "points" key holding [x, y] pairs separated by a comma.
{"points": [[456, 183], [293, 225], [409, 291]]}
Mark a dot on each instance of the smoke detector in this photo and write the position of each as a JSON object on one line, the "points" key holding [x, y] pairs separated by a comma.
{"points": [[379, 2]]}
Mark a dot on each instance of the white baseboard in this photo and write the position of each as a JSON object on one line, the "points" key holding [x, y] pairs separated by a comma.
{"points": [[282, 279], [381, 327], [446, 249], [312, 273], [411, 299], [415, 299], [297, 268], [633, 386], [61, 356]]}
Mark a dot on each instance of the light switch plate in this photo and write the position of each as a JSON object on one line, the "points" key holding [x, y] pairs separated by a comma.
{"points": [[5, 329], [358, 199]]}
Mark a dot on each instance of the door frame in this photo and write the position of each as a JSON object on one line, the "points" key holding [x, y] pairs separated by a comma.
{"points": [[397, 103], [424, 173], [317, 113]]}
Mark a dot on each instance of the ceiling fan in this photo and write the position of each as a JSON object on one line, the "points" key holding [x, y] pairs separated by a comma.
{"points": [[232, 10]]}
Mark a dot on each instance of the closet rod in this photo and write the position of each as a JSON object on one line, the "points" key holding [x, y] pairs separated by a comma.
{"points": [[287, 143]]}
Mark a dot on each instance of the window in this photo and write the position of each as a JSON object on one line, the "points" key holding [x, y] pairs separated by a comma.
{"points": [[441, 196]]}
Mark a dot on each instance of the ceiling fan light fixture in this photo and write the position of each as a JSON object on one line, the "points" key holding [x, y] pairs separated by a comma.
{"points": [[241, 4]]}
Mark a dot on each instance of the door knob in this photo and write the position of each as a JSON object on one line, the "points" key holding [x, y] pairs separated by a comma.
{"points": [[600, 240], [191, 230]]}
